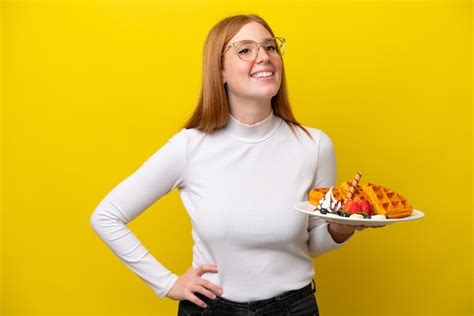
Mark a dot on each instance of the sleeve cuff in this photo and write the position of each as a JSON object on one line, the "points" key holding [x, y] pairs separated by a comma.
{"points": [[164, 291], [325, 242]]}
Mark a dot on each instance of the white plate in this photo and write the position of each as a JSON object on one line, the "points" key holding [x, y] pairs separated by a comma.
{"points": [[308, 208]]}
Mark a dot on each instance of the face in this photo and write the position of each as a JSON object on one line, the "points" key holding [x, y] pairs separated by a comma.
{"points": [[242, 77]]}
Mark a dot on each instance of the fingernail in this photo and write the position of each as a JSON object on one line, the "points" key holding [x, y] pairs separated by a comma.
{"points": [[213, 296], [205, 305]]}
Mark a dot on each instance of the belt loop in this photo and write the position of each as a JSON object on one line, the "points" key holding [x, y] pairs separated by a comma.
{"points": [[313, 289]]}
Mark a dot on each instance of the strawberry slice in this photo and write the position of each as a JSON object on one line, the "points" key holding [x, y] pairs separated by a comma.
{"points": [[353, 206], [366, 207]]}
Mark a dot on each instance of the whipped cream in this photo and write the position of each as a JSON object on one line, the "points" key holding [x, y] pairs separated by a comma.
{"points": [[329, 203]]}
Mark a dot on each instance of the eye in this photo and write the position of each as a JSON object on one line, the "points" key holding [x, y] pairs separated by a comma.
{"points": [[245, 51], [270, 47]]}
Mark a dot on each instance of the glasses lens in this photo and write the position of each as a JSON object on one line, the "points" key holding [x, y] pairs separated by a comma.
{"points": [[274, 47], [271, 47], [246, 50]]}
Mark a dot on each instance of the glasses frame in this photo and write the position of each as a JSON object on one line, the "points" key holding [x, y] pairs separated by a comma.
{"points": [[260, 44]]}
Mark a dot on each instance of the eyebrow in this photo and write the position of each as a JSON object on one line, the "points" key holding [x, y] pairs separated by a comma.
{"points": [[249, 40]]}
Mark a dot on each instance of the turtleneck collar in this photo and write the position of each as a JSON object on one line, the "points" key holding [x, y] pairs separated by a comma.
{"points": [[253, 133]]}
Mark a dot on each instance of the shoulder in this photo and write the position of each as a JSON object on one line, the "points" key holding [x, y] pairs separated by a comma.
{"points": [[179, 138], [192, 135], [191, 138], [192, 132], [187, 135], [319, 137]]}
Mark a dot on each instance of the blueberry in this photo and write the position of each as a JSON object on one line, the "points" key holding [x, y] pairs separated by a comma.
{"points": [[323, 211]]}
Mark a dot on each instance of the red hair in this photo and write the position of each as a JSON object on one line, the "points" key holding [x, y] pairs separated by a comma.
{"points": [[212, 110]]}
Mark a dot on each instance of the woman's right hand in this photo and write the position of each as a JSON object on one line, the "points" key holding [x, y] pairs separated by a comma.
{"points": [[191, 281]]}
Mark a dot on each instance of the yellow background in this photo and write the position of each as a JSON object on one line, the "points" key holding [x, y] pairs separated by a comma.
{"points": [[92, 89]]}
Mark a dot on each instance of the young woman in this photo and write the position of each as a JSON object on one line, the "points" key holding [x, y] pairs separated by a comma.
{"points": [[240, 163]]}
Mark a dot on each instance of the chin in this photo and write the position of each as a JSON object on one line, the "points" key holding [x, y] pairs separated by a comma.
{"points": [[266, 92], [269, 94]]}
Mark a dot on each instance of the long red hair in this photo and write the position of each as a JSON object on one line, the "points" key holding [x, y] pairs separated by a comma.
{"points": [[212, 110]]}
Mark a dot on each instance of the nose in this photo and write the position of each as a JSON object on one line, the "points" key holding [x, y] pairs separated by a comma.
{"points": [[262, 56]]}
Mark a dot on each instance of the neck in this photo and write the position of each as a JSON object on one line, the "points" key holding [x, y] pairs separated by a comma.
{"points": [[250, 111], [253, 133]]}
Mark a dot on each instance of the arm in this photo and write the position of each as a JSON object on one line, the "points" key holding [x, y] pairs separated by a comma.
{"points": [[340, 233], [325, 237], [157, 176]]}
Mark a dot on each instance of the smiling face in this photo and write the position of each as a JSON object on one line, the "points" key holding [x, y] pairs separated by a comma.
{"points": [[258, 79]]}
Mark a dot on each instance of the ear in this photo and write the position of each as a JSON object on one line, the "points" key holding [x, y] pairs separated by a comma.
{"points": [[223, 77]]}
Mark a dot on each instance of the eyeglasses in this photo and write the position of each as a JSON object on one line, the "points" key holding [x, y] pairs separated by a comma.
{"points": [[248, 50]]}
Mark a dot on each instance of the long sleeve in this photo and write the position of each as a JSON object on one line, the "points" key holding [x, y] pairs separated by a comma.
{"points": [[320, 241], [157, 176]]}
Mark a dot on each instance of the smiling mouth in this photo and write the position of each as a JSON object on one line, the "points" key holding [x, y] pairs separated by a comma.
{"points": [[263, 74]]}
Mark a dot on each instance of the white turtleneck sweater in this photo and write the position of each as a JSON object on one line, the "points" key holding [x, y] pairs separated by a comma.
{"points": [[238, 185]]}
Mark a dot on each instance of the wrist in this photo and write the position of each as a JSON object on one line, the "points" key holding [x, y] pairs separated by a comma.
{"points": [[339, 236], [337, 232]]}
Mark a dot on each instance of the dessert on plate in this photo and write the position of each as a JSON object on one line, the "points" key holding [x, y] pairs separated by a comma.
{"points": [[369, 201]]}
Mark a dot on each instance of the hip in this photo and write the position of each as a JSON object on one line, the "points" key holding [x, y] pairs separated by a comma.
{"points": [[296, 302]]}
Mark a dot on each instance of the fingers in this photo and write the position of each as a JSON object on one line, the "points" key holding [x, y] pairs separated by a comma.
{"points": [[204, 291], [203, 283], [205, 268], [203, 286], [211, 286], [191, 282], [194, 299]]}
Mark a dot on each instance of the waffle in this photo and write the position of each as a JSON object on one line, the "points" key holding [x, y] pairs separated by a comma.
{"points": [[386, 201], [339, 193], [316, 194], [358, 192], [383, 200]]}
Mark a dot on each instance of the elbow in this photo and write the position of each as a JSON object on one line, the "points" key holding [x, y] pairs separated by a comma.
{"points": [[106, 222], [94, 220], [102, 214], [99, 217]]}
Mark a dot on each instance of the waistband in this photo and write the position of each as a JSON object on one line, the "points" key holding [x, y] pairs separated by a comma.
{"points": [[285, 298]]}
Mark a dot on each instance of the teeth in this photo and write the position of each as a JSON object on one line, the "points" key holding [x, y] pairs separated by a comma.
{"points": [[262, 74]]}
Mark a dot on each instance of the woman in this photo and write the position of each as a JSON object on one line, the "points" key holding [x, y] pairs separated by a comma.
{"points": [[240, 163]]}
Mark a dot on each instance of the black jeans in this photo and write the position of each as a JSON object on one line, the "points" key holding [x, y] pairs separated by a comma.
{"points": [[297, 302]]}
